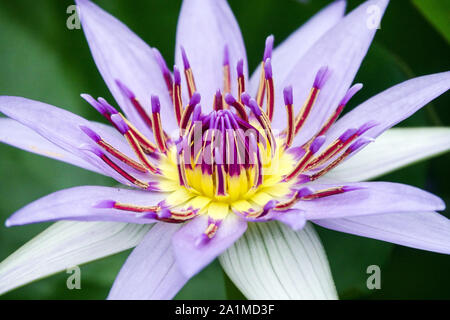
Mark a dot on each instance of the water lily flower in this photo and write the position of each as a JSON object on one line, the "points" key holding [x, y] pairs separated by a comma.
{"points": [[218, 164]]}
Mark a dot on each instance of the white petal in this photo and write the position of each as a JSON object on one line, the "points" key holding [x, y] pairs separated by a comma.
{"points": [[273, 262], [66, 244], [394, 149]]}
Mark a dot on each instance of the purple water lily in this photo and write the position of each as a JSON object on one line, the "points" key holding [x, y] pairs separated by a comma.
{"points": [[208, 152]]}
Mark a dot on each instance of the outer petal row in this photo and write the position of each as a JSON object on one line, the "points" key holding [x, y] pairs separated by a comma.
{"points": [[273, 262], [64, 245], [122, 55]]}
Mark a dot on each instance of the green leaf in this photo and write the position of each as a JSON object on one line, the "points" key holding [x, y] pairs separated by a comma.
{"points": [[438, 14]]}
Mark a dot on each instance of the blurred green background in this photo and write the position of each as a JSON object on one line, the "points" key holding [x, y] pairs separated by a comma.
{"points": [[41, 59]]}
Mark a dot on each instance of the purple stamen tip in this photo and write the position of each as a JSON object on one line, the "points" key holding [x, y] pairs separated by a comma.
{"points": [[202, 240], [156, 105], [104, 204], [109, 108], [164, 213], [98, 106], [153, 186], [226, 56], [269, 206], [303, 178], [176, 75], [150, 215], [352, 188], [268, 48], [347, 134], [367, 126], [360, 143], [254, 107], [127, 92], [304, 192], [92, 149], [90, 133], [161, 62], [120, 123], [195, 99], [196, 115], [321, 77], [229, 99], [185, 59], [317, 144], [240, 68], [350, 93], [288, 95], [268, 69], [245, 97]]}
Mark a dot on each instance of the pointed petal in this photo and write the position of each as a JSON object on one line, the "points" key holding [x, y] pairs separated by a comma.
{"points": [[290, 51], [422, 230], [272, 262], [62, 128], [191, 258], [394, 104], [20, 136], [342, 49], [122, 55], [395, 148], [79, 204], [150, 272], [369, 198], [64, 245], [204, 28]]}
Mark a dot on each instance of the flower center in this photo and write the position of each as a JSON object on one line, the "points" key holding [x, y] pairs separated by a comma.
{"points": [[228, 159]]}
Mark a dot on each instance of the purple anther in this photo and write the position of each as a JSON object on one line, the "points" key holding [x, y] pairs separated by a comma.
{"points": [[97, 105], [156, 105], [347, 134], [317, 144], [229, 99], [161, 62], [366, 126], [202, 240], [195, 99], [268, 69], [245, 98], [303, 178], [226, 56], [350, 93], [164, 213], [125, 91], [87, 147], [352, 188], [268, 48], [176, 76], [288, 95], [240, 68], [268, 206], [90, 133], [197, 114], [109, 108], [120, 123], [360, 143], [304, 192], [321, 77], [253, 105], [185, 59], [104, 204]]}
